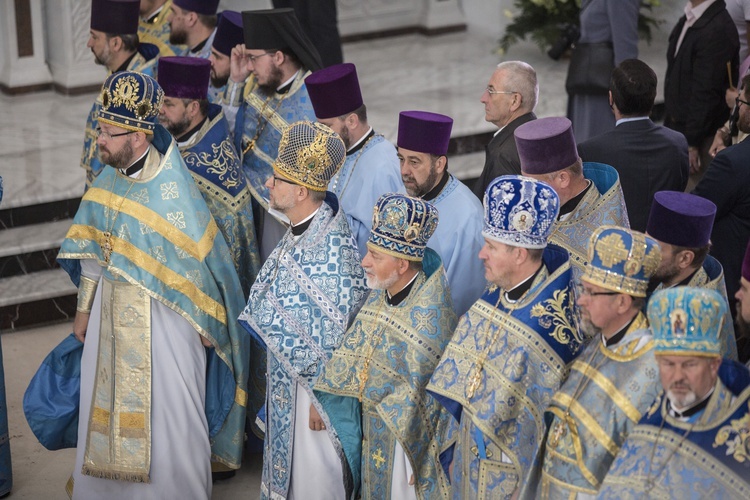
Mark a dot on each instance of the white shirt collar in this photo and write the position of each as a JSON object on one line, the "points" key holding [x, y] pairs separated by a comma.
{"points": [[288, 81], [360, 140], [630, 119], [692, 14], [308, 217]]}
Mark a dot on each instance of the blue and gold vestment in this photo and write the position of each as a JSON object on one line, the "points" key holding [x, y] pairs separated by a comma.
{"points": [[602, 399], [157, 33], [711, 276], [166, 245], [144, 61], [494, 433], [403, 344], [306, 294], [217, 171], [709, 458], [602, 205], [260, 122]]}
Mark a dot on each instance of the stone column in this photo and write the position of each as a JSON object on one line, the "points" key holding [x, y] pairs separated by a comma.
{"points": [[70, 61], [22, 57]]}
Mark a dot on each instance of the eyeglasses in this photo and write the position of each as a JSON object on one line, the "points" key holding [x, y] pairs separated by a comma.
{"points": [[253, 58], [275, 179], [492, 91], [739, 101], [107, 136], [582, 291]]}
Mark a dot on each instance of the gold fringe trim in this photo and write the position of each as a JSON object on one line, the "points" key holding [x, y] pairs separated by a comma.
{"points": [[132, 477]]}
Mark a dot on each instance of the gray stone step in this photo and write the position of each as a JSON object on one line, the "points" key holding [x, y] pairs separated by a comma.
{"points": [[41, 285], [33, 238]]}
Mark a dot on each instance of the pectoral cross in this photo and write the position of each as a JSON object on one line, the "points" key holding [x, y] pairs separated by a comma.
{"points": [[280, 400], [107, 246], [363, 376], [250, 146], [280, 470], [378, 458], [561, 428], [474, 382]]}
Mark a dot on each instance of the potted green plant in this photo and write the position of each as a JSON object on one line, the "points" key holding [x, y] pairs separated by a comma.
{"points": [[547, 22]]}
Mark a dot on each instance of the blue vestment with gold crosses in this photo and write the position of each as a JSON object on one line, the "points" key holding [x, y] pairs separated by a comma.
{"points": [[602, 399], [711, 276], [166, 244], [401, 345], [495, 431], [306, 295], [260, 122], [602, 205], [156, 31], [144, 61], [706, 457], [217, 171]]}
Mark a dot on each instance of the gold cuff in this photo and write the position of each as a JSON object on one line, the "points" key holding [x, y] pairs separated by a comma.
{"points": [[86, 292]]}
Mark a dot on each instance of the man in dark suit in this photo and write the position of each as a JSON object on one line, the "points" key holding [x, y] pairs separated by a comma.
{"points": [[727, 184], [509, 101], [648, 157], [701, 45]]}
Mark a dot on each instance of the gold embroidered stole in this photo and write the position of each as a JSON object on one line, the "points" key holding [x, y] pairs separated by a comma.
{"points": [[118, 441]]}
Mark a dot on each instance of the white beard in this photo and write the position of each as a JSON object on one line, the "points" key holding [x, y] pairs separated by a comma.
{"points": [[375, 284], [681, 403]]}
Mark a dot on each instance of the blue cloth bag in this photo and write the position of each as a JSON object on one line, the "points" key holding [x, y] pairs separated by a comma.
{"points": [[52, 399]]}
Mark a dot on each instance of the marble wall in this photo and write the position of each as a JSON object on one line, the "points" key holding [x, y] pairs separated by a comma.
{"points": [[22, 54], [60, 28]]}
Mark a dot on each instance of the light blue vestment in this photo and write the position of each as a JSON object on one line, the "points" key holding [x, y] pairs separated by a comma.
{"points": [[215, 94], [204, 51], [166, 243], [144, 61], [306, 295], [260, 122], [367, 173], [401, 346], [707, 457], [602, 205], [523, 349], [601, 401], [458, 240]]}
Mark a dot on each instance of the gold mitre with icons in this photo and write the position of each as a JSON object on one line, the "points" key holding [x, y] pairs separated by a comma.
{"points": [[687, 321], [622, 260], [310, 154], [131, 100]]}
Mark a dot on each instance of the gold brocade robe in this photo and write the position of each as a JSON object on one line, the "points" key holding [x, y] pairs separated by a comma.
{"points": [[602, 399]]}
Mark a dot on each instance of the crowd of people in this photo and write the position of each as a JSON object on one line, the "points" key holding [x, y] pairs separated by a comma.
{"points": [[258, 268]]}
